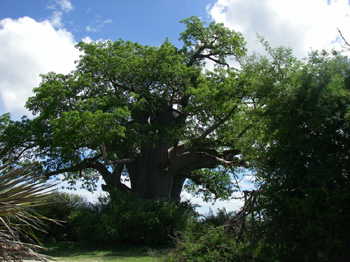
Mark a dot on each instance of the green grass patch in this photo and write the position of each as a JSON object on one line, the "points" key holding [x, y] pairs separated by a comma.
{"points": [[70, 251]]}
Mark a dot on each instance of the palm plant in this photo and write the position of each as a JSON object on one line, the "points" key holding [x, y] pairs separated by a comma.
{"points": [[19, 193]]}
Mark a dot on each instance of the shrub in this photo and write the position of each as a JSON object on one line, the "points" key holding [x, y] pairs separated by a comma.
{"points": [[217, 219], [118, 219], [62, 207], [127, 219], [213, 244], [225, 236]]}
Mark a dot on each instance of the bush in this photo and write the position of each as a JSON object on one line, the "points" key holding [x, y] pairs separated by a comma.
{"points": [[214, 244], [127, 219], [121, 218], [217, 219], [62, 207], [225, 236]]}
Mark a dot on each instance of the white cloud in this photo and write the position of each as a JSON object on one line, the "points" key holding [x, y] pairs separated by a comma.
{"points": [[87, 39], [28, 49], [245, 182], [60, 7], [92, 197], [65, 5], [56, 19], [299, 24], [97, 24], [204, 207], [91, 29]]}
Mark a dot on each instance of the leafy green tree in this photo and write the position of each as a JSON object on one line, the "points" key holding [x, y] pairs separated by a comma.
{"points": [[151, 113], [302, 159]]}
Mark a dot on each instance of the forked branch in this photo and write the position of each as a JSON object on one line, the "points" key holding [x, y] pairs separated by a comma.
{"points": [[114, 162], [341, 35]]}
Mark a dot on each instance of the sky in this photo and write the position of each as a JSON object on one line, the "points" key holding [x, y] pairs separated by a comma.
{"points": [[39, 36]]}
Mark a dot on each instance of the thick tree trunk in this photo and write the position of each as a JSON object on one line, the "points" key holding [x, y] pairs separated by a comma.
{"points": [[159, 167], [152, 179], [176, 189], [150, 174]]}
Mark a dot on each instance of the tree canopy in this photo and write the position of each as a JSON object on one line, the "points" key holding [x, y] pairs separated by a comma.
{"points": [[159, 116], [302, 157], [151, 113], [299, 152]]}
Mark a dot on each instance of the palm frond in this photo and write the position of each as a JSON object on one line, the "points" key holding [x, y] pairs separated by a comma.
{"points": [[19, 193]]}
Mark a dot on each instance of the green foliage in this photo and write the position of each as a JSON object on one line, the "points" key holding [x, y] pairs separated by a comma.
{"points": [[128, 220], [219, 40], [214, 244], [120, 219], [62, 207], [155, 114], [214, 184], [224, 236], [126, 102], [217, 219], [19, 193], [303, 158], [115, 81]]}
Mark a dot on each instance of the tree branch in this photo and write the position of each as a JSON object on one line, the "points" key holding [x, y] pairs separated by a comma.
{"points": [[217, 124], [215, 159], [112, 179], [86, 163], [341, 35], [210, 57], [196, 55], [199, 181], [114, 162], [116, 85]]}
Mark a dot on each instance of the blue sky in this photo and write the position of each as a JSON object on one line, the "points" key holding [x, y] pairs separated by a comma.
{"points": [[38, 36], [145, 21]]}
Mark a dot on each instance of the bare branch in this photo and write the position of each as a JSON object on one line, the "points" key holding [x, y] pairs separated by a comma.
{"points": [[218, 160], [114, 162], [86, 163], [341, 35], [210, 57], [217, 124]]}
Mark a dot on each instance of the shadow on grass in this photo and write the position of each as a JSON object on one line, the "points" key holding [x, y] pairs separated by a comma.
{"points": [[72, 249]]}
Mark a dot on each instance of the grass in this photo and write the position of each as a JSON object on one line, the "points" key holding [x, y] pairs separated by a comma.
{"points": [[69, 251]]}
